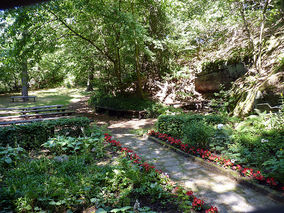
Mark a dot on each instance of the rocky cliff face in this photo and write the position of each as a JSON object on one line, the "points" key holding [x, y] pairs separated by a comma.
{"points": [[209, 81]]}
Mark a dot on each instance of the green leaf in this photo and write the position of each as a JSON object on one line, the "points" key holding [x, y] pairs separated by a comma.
{"points": [[100, 210], [8, 160]]}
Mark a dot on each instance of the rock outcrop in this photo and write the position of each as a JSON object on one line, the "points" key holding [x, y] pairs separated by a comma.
{"points": [[208, 82]]}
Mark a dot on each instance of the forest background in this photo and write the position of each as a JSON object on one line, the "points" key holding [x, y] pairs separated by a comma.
{"points": [[148, 48]]}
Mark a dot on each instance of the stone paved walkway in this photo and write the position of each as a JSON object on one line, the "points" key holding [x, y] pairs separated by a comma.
{"points": [[216, 189]]}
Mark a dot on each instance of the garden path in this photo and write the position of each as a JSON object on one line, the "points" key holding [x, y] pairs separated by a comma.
{"points": [[216, 189]]}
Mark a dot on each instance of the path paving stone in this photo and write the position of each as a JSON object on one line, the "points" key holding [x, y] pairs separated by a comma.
{"points": [[219, 190]]}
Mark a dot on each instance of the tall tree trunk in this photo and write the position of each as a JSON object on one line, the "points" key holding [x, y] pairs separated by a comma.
{"points": [[258, 63], [25, 78], [90, 80], [137, 62], [138, 72]]}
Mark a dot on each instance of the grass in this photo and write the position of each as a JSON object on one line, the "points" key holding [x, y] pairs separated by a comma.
{"points": [[62, 96]]}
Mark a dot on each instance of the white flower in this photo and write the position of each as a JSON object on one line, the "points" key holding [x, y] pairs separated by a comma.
{"points": [[264, 140], [233, 161], [136, 205], [220, 126]]}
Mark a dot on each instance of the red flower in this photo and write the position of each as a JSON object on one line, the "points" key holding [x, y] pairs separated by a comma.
{"points": [[271, 181], [212, 210], [189, 193]]}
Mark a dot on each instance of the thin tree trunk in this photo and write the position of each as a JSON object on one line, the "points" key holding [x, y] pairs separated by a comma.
{"points": [[138, 72], [90, 80], [259, 65], [137, 62], [25, 78]]}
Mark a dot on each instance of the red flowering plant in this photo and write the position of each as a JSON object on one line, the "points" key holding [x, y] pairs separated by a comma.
{"points": [[270, 181], [212, 210], [219, 160], [197, 204], [258, 176], [247, 172]]}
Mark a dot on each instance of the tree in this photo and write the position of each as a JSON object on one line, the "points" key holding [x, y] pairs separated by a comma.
{"points": [[26, 36]]}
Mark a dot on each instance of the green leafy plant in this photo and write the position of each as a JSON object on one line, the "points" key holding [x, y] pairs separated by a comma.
{"points": [[46, 184], [198, 133], [9, 156], [32, 135], [69, 145]]}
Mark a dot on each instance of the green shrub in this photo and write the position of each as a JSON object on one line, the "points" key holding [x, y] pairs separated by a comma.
{"points": [[198, 134], [121, 102], [32, 135], [77, 183], [10, 156], [175, 125], [129, 102], [69, 145]]}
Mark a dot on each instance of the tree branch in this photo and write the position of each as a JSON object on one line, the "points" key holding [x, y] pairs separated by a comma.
{"points": [[83, 37]]}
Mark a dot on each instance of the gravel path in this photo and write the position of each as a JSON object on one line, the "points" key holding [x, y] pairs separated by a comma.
{"points": [[216, 189]]}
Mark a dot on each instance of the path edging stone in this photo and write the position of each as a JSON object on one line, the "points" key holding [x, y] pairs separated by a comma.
{"points": [[231, 174]]}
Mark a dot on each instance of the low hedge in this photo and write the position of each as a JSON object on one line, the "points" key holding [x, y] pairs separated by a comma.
{"points": [[32, 135], [175, 125]]}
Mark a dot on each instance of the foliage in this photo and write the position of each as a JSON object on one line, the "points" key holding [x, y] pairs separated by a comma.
{"points": [[10, 156], [120, 102], [69, 145], [198, 133], [87, 183], [32, 135], [256, 142], [174, 125], [128, 102]]}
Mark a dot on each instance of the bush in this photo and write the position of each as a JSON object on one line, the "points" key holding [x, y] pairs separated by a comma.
{"points": [[77, 183], [175, 125], [69, 145], [198, 134], [32, 135], [130, 102], [120, 102]]}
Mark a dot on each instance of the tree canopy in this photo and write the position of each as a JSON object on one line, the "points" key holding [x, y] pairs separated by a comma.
{"points": [[127, 46]]}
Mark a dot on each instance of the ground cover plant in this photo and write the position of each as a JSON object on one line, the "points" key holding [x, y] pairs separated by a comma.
{"points": [[256, 142], [32, 135], [72, 174]]}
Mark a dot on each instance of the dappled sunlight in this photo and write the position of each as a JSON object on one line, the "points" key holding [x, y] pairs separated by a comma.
{"points": [[133, 124], [52, 96]]}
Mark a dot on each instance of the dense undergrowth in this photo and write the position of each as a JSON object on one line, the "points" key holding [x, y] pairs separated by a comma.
{"points": [[68, 174], [255, 142]]}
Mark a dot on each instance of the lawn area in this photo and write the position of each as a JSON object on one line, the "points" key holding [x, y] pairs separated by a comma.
{"points": [[53, 96]]}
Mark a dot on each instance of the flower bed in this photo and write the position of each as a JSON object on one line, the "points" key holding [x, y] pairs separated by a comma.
{"points": [[196, 204], [209, 156]]}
